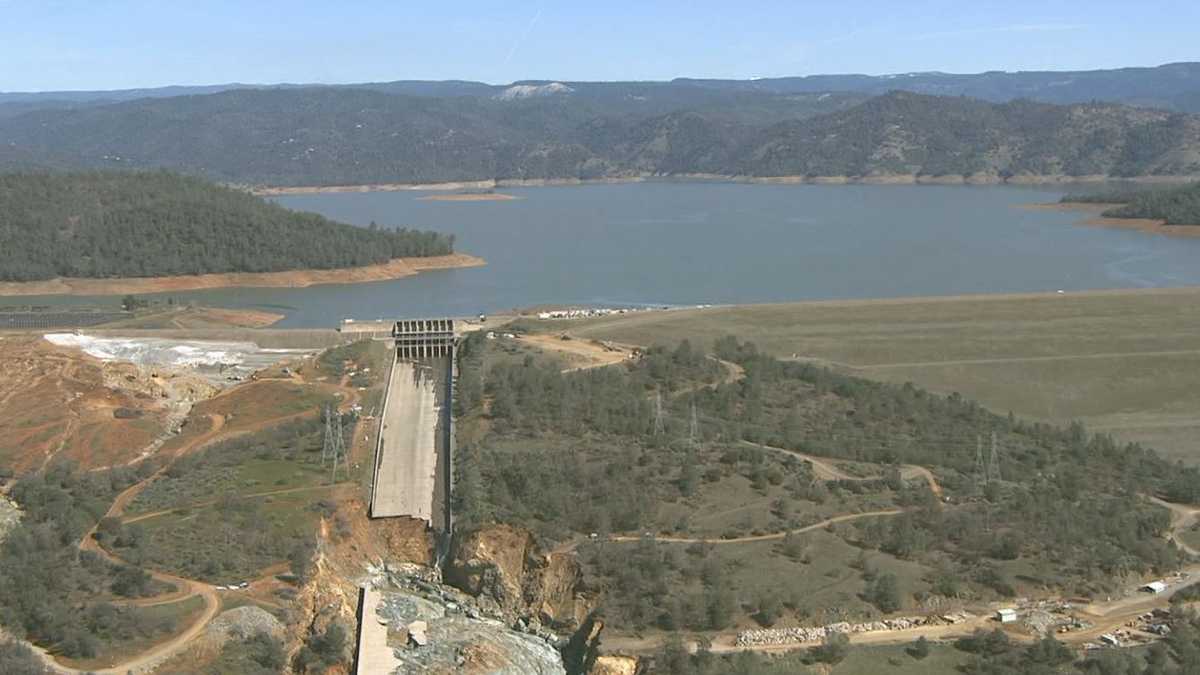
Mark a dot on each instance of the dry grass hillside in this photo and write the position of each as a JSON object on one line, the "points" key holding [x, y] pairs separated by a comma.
{"points": [[1124, 362]]}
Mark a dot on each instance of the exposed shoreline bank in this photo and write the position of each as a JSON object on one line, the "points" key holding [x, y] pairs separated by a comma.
{"points": [[1146, 225], [890, 179], [470, 197], [393, 269]]}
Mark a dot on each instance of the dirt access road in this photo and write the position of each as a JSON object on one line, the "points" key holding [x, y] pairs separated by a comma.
{"points": [[824, 469], [185, 588], [584, 354], [1182, 517]]}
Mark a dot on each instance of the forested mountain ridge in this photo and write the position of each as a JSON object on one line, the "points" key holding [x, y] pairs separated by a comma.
{"points": [[129, 224], [903, 133], [331, 136], [1174, 86]]}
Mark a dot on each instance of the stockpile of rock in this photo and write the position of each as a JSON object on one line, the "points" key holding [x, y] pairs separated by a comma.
{"points": [[795, 634], [434, 628], [10, 515]]}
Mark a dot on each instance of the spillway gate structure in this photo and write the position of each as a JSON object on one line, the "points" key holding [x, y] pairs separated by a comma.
{"points": [[423, 338]]}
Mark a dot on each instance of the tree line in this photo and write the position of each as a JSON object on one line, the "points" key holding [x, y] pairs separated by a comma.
{"points": [[1179, 205], [55, 594], [151, 224]]}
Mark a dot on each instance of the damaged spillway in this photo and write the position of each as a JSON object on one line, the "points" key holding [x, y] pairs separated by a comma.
{"points": [[412, 455], [412, 623]]}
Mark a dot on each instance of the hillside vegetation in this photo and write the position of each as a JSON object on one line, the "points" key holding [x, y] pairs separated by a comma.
{"points": [[118, 224], [322, 136], [1172, 205], [569, 454]]}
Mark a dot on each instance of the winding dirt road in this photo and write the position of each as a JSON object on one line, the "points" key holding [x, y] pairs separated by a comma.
{"points": [[763, 537], [184, 588], [823, 469]]}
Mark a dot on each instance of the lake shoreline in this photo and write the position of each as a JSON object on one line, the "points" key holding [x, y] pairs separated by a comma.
{"points": [[396, 268], [889, 179], [1145, 225], [470, 197]]}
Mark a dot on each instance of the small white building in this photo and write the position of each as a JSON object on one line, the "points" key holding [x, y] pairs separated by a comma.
{"points": [[1155, 587], [1006, 615]]}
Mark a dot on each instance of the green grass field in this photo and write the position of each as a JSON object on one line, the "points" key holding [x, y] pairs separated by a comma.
{"points": [[825, 589], [943, 659], [1124, 362]]}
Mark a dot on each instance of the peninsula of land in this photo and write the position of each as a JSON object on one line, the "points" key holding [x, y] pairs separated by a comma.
{"points": [[396, 268], [1169, 210]]}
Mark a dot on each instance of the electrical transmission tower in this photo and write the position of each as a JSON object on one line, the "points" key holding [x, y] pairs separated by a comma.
{"points": [[980, 475], [993, 469], [658, 414], [694, 427], [327, 446], [335, 442]]}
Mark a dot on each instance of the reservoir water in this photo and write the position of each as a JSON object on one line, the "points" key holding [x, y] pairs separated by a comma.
{"points": [[693, 243]]}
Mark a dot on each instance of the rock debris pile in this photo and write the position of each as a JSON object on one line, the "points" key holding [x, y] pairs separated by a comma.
{"points": [[10, 515], [433, 628], [796, 634]]}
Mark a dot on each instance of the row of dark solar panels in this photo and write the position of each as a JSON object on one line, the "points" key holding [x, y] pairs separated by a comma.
{"points": [[36, 320]]}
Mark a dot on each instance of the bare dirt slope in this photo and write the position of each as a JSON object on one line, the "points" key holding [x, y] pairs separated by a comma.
{"points": [[61, 403]]}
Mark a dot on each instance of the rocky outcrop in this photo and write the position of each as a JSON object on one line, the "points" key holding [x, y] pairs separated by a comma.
{"points": [[616, 665], [504, 565]]}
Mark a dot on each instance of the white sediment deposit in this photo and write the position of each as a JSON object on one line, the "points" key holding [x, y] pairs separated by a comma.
{"points": [[202, 355]]}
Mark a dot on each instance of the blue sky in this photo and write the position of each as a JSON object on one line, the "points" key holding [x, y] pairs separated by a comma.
{"points": [[106, 44]]}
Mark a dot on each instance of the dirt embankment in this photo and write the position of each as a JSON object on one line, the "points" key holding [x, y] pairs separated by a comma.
{"points": [[394, 269], [504, 564], [471, 197], [58, 403], [879, 179], [199, 317]]}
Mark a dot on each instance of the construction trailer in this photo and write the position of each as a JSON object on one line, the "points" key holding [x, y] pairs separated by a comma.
{"points": [[1154, 587]]}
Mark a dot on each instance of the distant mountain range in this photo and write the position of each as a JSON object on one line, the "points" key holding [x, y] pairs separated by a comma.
{"points": [[990, 126], [1174, 86]]}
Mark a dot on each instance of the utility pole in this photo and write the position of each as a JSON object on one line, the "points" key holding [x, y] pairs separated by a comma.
{"points": [[658, 413], [993, 470], [980, 476], [694, 427], [339, 447]]}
